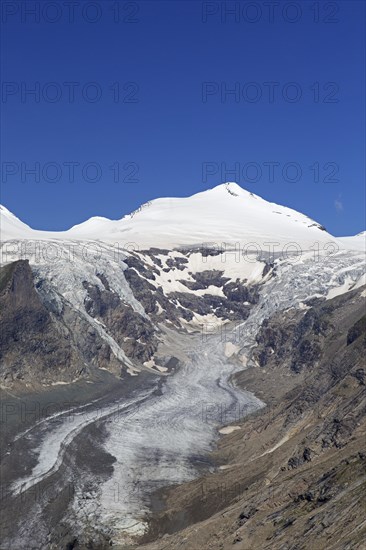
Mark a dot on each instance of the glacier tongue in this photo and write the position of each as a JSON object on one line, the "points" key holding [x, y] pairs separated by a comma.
{"points": [[154, 445]]}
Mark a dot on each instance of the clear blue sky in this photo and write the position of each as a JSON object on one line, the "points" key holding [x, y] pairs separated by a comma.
{"points": [[172, 130]]}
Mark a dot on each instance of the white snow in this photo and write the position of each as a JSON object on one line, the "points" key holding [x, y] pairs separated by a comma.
{"points": [[341, 289], [229, 429], [225, 214], [356, 242]]}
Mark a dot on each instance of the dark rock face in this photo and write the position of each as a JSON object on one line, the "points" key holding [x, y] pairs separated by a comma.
{"points": [[41, 341], [134, 333], [239, 292], [204, 279], [208, 251], [135, 263], [98, 302], [268, 268], [358, 329], [142, 290], [299, 460], [176, 263], [30, 344], [104, 280], [360, 375], [302, 340], [319, 345], [246, 514], [224, 308], [27, 340], [151, 298], [177, 306], [309, 352]]}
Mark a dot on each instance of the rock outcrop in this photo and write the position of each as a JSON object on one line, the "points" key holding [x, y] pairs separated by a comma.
{"points": [[43, 341]]}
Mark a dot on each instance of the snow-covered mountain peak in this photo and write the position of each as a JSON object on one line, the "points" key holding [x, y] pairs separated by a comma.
{"points": [[235, 190], [227, 190], [227, 213]]}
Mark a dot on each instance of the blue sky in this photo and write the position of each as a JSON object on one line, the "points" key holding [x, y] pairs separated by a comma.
{"points": [[170, 98]]}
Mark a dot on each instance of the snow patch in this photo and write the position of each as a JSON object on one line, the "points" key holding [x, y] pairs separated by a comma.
{"points": [[228, 429]]}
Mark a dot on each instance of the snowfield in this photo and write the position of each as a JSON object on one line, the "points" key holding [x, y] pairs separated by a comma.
{"points": [[225, 214]]}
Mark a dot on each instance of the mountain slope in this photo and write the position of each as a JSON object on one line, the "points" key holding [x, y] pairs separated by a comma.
{"points": [[356, 242], [12, 227], [226, 213], [294, 475]]}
